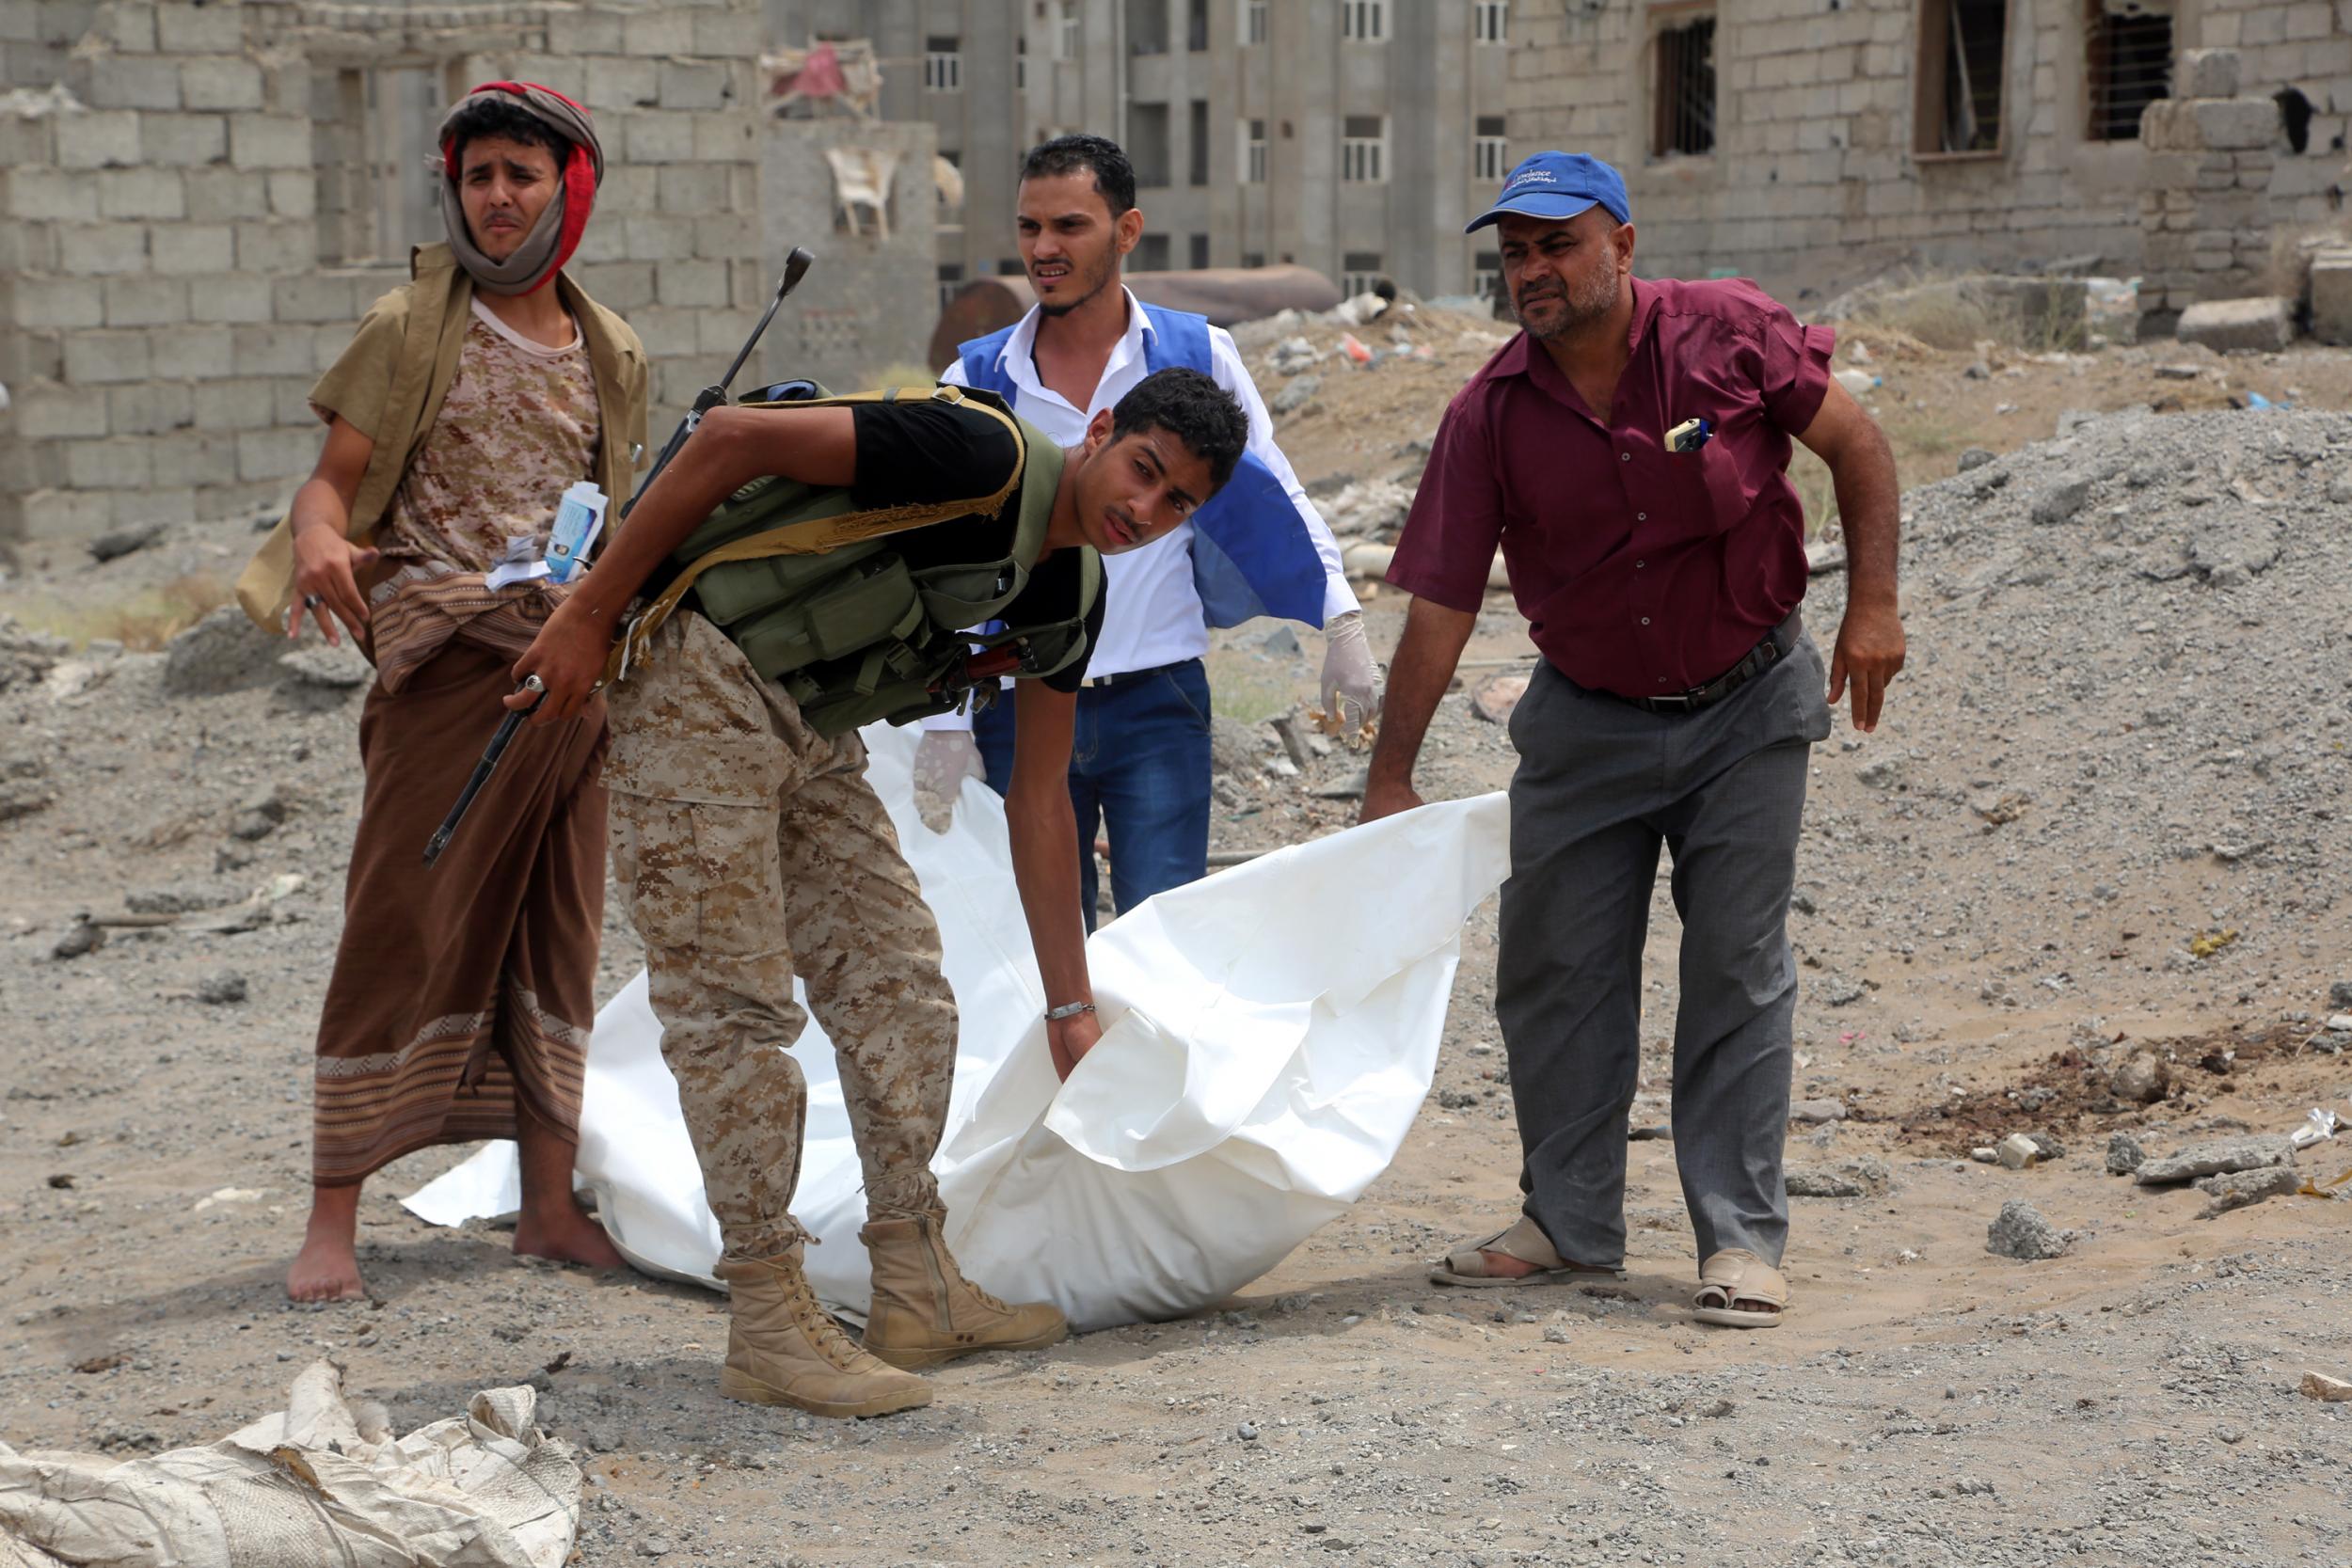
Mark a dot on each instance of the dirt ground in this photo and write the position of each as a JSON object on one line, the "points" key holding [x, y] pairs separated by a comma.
{"points": [[2133, 1402]]}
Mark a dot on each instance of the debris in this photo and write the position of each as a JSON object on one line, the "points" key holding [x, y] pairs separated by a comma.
{"points": [[339, 669], [1880, 773], [217, 989], [2221, 325], [1295, 395], [2333, 1391], [2240, 1189], [1493, 698], [1814, 1111], [1857, 1178], [23, 797], [1285, 728], [106, 1363], [2017, 1151], [2318, 1126], [2124, 1155], [117, 543], [62, 1181], [1350, 788], [1857, 382], [229, 1194], [2058, 503], [1825, 556], [1985, 1154], [1355, 348], [2020, 1231], [2142, 1080], [258, 815], [1974, 457], [2216, 1158], [223, 652]]}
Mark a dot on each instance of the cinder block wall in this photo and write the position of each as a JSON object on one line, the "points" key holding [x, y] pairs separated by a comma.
{"points": [[866, 302], [1813, 181], [163, 305]]}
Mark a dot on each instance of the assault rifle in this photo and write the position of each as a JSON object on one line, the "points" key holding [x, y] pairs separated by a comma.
{"points": [[795, 267]]}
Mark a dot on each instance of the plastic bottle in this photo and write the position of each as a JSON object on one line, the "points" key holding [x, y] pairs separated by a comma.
{"points": [[579, 518]]}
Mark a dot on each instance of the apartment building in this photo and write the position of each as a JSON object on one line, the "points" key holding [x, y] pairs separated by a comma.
{"points": [[1353, 136]]}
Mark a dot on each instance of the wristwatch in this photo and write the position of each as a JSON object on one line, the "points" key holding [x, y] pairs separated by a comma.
{"points": [[1068, 1009]]}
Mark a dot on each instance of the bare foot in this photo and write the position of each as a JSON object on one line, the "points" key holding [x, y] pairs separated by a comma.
{"points": [[1502, 1265], [327, 1268], [567, 1235]]}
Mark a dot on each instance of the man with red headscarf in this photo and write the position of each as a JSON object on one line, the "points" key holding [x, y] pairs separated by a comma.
{"points": [[468, 401]]}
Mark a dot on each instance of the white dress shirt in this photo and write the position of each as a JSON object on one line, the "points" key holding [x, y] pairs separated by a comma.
{"points": [[1153, 616]]}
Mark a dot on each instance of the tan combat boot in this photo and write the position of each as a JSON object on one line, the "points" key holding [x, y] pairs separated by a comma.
{"points": [[783, 1348], [925, 1312]]}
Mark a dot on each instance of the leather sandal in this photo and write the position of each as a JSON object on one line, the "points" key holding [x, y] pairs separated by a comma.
{"points": [[1735, 1276], [1524, 1239]]}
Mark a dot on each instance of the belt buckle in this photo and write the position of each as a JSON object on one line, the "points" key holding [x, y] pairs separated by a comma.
{"points": [[1680, 700]]}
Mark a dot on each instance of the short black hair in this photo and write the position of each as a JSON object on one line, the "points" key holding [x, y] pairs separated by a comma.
{"points": [[1194, 409], [500, 115], [1114, 175]]}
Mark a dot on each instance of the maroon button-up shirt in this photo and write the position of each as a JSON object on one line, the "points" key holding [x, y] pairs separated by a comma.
{"points": [[1640, 571]]}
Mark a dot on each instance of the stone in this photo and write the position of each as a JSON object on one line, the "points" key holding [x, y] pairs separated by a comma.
{"points": [[2333, 1391], [2021, 1232], [22, 797], [2263, 323], [217, 990], [258, 815], [2219, 1158], [2242, 1189], [2124, 1155], [2234, 124], [80, 939], [1292, 355], [2017, 1151], [2060, 502], [2142, 1080], [2206, 73], [1974, 457], [1880, 773], [1282, 642], [181, 898], [1247, 1431], [334, 669], [1234, 748], [1858, 1178], [1812, 1113], [1350, 788], [2049, 1146], [1841, 991], [1494, 698], [26, 656], [116, 542], [2331, 296], [1294, 396], [224, 652]]}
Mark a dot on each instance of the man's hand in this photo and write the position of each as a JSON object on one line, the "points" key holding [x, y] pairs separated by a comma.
{"points": [[1350, 679], [1387, 800], [1070, 1038], [568, 658], [943, 760], [1869, 654], [326, 573]]}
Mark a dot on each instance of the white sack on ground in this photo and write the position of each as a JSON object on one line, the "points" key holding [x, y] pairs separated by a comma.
{"points": [[314, 1484], [1269, 1035]]}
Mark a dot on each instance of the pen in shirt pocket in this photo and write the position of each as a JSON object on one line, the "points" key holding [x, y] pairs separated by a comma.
{"points": [[1690, 435]]}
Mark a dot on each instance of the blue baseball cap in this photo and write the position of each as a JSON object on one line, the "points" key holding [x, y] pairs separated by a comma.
{"points": [[1558, 185]]}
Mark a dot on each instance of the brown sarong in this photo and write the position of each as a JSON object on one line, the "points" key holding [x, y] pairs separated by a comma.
{"points": [[462, 995]]}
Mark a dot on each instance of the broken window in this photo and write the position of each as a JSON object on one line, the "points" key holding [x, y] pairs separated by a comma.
{"points": [[2127, 64], [943, 65], [1490, 154], [1364, 148], [1684, 106], [1197, 155], [1147, 143], [1963, 44], [1360, 272]]}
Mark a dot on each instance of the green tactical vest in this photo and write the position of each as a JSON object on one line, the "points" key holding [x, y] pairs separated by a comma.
{"points": [[813, 593]]}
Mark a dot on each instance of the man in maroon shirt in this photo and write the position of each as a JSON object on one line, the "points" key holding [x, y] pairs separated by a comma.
{"points": [[1628, 451]]}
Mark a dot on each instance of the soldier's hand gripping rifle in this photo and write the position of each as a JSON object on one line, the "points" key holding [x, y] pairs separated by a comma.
{"points": [[795, 266]]}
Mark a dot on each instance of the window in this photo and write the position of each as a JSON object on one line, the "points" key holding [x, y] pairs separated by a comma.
{"points": [[1010, 266], [1152, 253], [943, 65], [1200, 247], [1254, 21], [1197, 27], [1366, 21], [1364, 148], [1682, 119], [1963, 44], [1253, 257], [1486, 276], [1253, 152], [1067, 31], [1147, 27], [1491, 20], [1491, 152], [1147, 143], [1360, 270], [1197, 155], [2128, 63], [950, 280], [1020, 64]]}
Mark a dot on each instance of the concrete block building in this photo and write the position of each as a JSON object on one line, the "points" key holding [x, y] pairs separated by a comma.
{"points": [[1819, 140], [1347, 135]]}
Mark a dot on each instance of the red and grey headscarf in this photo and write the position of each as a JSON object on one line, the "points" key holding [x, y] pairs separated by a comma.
{"points": [[556, 235]]}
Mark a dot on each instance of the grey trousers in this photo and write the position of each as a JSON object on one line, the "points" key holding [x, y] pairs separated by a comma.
{"points": [[1600, 786]]}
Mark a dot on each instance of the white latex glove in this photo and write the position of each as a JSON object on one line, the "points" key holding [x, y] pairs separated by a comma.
{"points": [[1351, 681], [943, 760]]}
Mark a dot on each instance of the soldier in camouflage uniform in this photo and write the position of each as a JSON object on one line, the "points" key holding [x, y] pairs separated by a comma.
{"points": [[751, 848]]}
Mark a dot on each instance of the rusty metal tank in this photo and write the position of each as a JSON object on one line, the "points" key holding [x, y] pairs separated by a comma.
{"points": [[1224, 295]]}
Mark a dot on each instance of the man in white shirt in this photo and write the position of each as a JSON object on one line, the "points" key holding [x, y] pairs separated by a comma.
{"points": [[1139, 763]]}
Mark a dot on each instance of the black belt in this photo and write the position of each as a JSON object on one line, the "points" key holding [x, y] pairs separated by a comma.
{"points": [[1093, 682], [1760, 658]]}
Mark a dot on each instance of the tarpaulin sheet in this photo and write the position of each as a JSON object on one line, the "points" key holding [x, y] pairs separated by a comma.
{"points": [[1269, 1033]]}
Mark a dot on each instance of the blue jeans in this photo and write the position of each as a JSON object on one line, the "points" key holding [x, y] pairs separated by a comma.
{"points": [[1139, 763]]}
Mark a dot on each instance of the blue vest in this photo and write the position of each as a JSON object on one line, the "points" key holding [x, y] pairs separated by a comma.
{"points": [[1251, 554]]}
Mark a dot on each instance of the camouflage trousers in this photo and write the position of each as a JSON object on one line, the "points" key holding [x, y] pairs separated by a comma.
{"points": [[748, 847]]}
